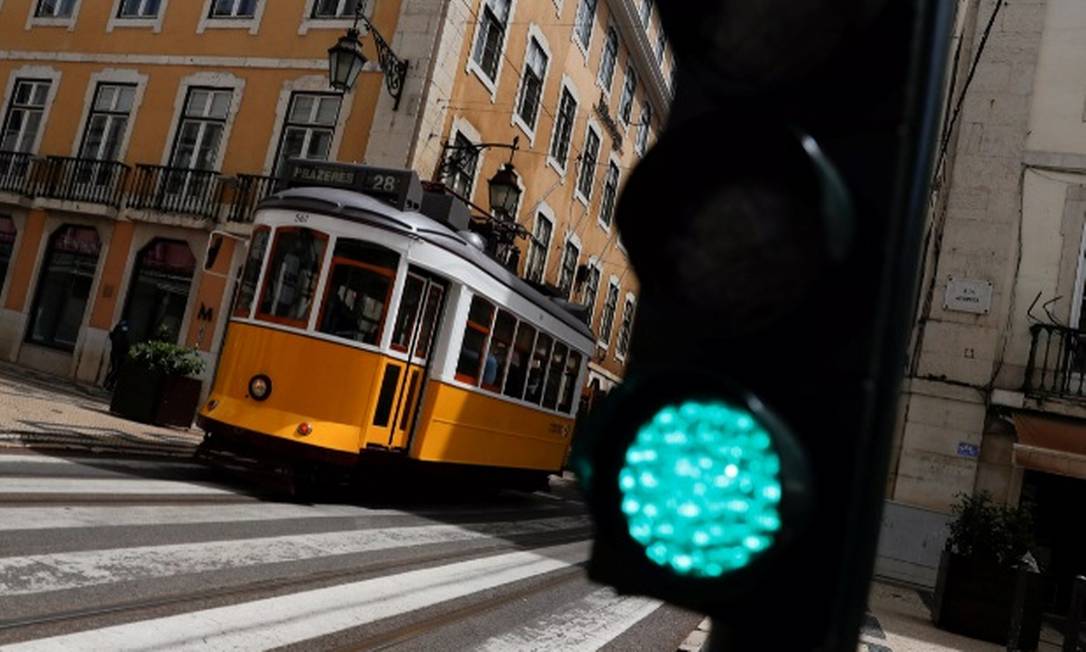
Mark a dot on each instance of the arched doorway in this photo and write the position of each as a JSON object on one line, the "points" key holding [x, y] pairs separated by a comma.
{"points": [[159, 290], [64, 284]]}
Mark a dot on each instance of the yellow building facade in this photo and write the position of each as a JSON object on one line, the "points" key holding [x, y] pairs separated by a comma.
{"points": [[134, 129]]}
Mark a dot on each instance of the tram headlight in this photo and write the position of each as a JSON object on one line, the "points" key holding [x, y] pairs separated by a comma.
{"points": [[260, 387]]}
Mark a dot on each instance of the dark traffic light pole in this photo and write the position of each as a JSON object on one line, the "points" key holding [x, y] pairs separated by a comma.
{"points": [[740, 469]]}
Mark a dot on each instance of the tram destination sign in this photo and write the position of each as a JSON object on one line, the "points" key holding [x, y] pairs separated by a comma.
{"points": [[399, 188]]}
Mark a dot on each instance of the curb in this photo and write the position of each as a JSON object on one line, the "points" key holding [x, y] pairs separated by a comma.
{"points": [[697, 639]]}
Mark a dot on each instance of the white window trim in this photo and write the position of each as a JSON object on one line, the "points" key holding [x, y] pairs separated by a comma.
{"points": [[111, 76], [473, 68], [560, 168], [591, 127], [32, 72], [306, 84], [252, 24], [584, 48], [595, 263], [633, 100], [211, 80], [557, 7], [570, 238], [544, 209], [155, 23], [1080, 281], [37, 21], [613, 281], [641, 148], [460, 124], [338, 24], [629, 304], [618, 57], [611, 158], [530, 132]]}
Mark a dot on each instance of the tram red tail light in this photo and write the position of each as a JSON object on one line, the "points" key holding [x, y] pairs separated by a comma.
{"points": [[304, 429]]}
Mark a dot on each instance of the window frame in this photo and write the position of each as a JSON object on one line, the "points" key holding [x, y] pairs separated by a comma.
{"points": [[608, 201], [39, 289], [309, 127], [73, 7], [625, 329], [210, 20], [183, 116], [233, 15], [594, 267], [344, 5], [13, 105], [587, 169], [607, 85], [586, 44], [641, 141], [562, 269], [473, 176], [535, 37], [490, 82], [629, 96], [324, 289], [604, 338], [485, 330], [258, 280], [269, 256], [561, 166], [110, 114], [540, 216]]}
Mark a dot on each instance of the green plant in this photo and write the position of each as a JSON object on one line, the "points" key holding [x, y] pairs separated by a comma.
{"points": [[166, 358], [986, 531]]}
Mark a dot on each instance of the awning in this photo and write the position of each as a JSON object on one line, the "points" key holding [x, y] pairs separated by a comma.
{"points": [[1051, 444]]}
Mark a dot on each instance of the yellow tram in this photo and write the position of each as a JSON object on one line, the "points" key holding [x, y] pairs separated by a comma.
{"points": [[363, 328]]}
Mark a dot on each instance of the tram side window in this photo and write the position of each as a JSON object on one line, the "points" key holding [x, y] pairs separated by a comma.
{"points": [[476, 331], [291, 280], [497, 354], [359, 286], [247, 287], [538, 368], [569, 382], [408, 312], [518, 361], [554, 375]]}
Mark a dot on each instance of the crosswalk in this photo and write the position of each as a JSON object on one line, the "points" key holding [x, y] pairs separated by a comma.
{"points": [[82, 571]]}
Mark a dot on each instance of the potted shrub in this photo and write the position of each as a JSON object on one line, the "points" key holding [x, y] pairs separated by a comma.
{"points": [[155, 384], [988, 586]]}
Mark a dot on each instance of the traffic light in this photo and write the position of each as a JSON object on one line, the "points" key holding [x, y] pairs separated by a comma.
{"points": [[775, 229]]}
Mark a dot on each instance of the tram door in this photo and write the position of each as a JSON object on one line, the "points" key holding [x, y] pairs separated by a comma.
{"points": [[413, 336]]}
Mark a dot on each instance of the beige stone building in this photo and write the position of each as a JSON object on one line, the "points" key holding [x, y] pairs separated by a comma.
{"points": [[995, 398], [133, 129]]}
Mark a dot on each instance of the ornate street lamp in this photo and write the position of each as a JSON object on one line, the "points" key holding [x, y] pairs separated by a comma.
{"points": [[345, 59], [504, 191]]}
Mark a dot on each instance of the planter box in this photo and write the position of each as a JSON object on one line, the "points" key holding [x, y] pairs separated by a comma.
{"points": [[150, 397], [988, 602]]}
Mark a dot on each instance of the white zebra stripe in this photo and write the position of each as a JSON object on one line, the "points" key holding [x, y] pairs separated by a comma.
{"points": [[116, 462], [585, 626], [119, 486], [69, 570], [282, 620]]}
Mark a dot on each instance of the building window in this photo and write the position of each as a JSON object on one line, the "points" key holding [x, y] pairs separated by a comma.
{"points": [[610, 192], [334, 8], [645, 12], [568, 268], [625, 105], [202, 125], [531, 88], [460, 175], [64, 285], [290, 281], [643, 127], [159, 291], [591, 291], [309, 128], [563, 127], [476, 331], [609, 59], [582, 26], [589, 156], [359, 289], [7, 245], [139, 8], [537, 250], [233, 8], [607, 317], [107, 122], [490, 38], [24, 115], [623, 345], [55, 8]]}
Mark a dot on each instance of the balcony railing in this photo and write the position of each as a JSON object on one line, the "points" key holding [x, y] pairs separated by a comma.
{"points": [[250, 189], [176, 190], [15, 172], [1057, 362], [81, 179]]}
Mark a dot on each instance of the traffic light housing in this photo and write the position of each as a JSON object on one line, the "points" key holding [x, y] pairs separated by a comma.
{"points": [[775, 229]]}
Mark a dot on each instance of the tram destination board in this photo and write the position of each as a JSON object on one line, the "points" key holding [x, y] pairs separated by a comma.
{"points": [[399, 188]]}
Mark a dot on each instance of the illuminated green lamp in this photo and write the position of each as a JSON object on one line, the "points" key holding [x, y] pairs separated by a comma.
{"points": [[701, 488]]}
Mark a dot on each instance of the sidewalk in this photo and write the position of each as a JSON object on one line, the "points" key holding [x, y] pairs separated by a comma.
{"points": [[42, 411]]}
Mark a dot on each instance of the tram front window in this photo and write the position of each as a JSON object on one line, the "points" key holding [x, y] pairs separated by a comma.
{"points": [[291, 279], [358, 292]]}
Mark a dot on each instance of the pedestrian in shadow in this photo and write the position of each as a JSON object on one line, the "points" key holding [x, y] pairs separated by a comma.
{"points": [[118, 351]]}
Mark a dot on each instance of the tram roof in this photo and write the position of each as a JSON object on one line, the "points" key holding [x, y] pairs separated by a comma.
{"points": [[357, 207]]}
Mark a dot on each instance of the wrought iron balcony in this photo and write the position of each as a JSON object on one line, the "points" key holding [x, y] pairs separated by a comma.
{"points": [[176, 190], [248, 191], [1057, 362], [81, 179], [15, 172]]}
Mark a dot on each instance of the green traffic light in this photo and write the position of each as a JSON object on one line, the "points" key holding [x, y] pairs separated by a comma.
{"points": [[701, 488]]}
